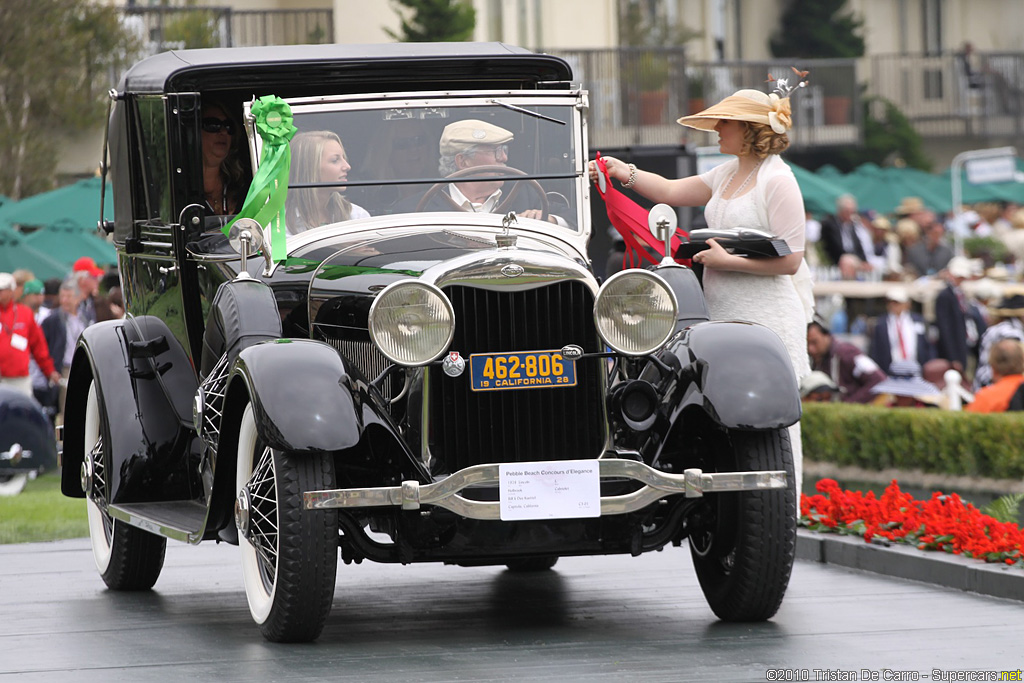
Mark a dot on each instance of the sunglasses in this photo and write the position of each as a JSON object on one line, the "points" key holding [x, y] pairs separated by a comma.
{"points": [[212, 124]]}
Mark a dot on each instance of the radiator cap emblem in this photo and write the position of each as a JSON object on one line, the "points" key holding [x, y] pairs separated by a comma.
{"points": [[453, 364], [572, 352], [512, 270]]}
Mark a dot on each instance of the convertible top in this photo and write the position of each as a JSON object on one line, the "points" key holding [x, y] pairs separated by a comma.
{"points": [[347, 68]]}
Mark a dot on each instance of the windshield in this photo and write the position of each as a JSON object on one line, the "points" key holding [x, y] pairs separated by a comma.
{"points": [[352, 160]]}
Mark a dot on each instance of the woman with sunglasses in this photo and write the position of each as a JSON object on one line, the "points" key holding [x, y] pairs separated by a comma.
{"points": [[318, 157], [224, 178]]}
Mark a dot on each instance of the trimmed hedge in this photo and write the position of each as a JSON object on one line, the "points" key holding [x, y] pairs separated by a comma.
{"points": [[931, 440]]}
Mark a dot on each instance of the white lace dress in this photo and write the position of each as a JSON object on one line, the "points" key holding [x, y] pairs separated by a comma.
{"points": [[770, 300]]}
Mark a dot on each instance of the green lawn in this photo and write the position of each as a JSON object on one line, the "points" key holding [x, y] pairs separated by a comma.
{"points": [[42, 513]]}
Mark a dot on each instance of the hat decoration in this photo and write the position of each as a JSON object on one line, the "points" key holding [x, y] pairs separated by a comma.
{"points": [[780, 118]]}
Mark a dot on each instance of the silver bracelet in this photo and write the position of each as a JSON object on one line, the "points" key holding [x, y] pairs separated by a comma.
{"points": [[632, 176]]}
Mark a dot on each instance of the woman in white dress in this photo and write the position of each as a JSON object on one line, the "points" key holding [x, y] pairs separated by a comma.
{"points": [[755, 190], [318, 157]]}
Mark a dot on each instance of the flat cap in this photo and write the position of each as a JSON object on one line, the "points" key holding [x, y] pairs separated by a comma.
{"points": [[459, 135]]}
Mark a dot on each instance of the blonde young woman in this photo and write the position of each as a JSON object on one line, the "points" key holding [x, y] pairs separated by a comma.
{"points": [[755, 190], [318, 157]]}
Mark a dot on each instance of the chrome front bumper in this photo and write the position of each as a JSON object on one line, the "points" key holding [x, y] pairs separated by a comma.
{"points": [[693, 483]]}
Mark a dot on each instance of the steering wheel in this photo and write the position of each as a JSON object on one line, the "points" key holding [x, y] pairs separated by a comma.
{"points": [[503, 207]]}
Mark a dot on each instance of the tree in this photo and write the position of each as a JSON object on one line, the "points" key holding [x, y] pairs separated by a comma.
{"points": [[434, 20], [889, 138], [815, 29], [55, 69]]}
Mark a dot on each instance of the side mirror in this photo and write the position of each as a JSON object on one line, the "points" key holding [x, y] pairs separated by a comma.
{"points": [[662, 222], [246, 237]]}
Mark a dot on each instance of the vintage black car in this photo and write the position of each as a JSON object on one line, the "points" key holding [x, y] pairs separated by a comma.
{"points": [[422, 384]]}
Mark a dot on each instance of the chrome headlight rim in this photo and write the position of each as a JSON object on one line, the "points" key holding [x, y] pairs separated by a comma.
{"points": [[658, 281], [375, 331]]}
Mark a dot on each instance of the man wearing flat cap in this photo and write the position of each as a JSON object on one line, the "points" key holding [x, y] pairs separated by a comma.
{"points": [[468, 144]]}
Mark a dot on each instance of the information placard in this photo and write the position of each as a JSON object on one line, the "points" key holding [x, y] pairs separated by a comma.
{"points": [[559, 489]]}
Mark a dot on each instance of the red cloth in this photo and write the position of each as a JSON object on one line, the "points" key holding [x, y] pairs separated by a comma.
{"points": [[17, 319], [630, 219]]}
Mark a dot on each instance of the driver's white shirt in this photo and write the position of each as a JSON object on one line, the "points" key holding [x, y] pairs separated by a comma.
{"points": [[486, 206]]}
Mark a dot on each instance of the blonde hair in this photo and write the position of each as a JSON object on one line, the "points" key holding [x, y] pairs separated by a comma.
{"points": [[302, 207], [759, 139]]}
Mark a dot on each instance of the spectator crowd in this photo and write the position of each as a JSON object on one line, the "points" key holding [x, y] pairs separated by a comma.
{"points": [[975, 325], [41, 323]]}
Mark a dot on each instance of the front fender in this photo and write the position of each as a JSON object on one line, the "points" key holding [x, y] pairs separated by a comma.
{"points": [[144, 383], [300, 395], [739, 373]]}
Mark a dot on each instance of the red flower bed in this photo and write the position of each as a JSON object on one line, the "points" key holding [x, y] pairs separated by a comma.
{"points": [[944, 522]]}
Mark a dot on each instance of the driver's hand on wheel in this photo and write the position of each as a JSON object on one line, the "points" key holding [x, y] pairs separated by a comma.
{"points": [[536, 214]]}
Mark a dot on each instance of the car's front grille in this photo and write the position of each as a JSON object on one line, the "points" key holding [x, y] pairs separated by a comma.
{"points": [[468, 428]]}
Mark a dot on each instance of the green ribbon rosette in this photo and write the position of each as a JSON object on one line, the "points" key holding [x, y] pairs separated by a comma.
{"points": [[265, 199]]}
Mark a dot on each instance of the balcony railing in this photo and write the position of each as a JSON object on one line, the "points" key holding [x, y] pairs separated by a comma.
{"points": [[636, 95], [166, 28], [941, 98]]}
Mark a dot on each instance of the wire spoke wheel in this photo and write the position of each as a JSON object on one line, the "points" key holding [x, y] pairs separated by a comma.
{"points": [[126, 557], [289, 555]]}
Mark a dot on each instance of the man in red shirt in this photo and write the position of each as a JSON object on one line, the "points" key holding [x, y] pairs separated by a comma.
{"points": [[20, 337], [1007, 361]]}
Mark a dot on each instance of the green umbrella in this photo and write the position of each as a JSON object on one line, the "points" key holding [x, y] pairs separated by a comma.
{"points": [[14, 254], [819, 193], [78, 203], [67, 242], [883, 189]]}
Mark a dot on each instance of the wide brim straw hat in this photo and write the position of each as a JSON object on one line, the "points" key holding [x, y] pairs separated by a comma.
{"points": [[1009, 307], [905, 380], [752, 106]]}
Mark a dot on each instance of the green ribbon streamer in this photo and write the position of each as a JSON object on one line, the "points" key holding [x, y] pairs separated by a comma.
{"points": [[265, 200]]}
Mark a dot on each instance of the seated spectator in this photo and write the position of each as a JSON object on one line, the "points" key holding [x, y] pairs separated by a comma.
{"points": [[885, 256], [318, 156], [846, 239], [1007, 362], [817, 387], [931, 254], [905, 388], [1009, 317], [899, 334], [849, 367]]}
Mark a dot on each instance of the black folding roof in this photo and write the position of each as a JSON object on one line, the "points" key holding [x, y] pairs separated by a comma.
{"points": [[345, 68]]}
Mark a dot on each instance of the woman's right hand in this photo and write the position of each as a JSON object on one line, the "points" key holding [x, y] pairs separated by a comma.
{"points": [[617, 170]]}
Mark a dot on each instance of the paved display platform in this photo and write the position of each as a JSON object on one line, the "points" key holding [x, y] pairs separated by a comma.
{"points": [[602, 618]]}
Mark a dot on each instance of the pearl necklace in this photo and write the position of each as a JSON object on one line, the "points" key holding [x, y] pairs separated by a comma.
{"points": [[739, 190]]}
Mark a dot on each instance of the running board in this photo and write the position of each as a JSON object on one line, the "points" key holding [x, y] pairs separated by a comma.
{"points": [[180, 520], [692, 483]]}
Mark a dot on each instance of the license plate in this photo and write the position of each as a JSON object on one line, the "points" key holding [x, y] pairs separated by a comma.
{"points": [[523, 370]]}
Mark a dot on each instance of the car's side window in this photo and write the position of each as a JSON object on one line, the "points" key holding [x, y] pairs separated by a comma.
{"points": [[152, 183]]}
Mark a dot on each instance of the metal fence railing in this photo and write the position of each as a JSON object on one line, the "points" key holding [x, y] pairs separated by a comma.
{"points": [[943, 97], [636, 95], [165, 28]]}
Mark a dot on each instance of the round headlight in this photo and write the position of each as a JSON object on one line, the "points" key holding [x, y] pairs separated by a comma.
{"points": [[412, 322], [635, 312]]}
